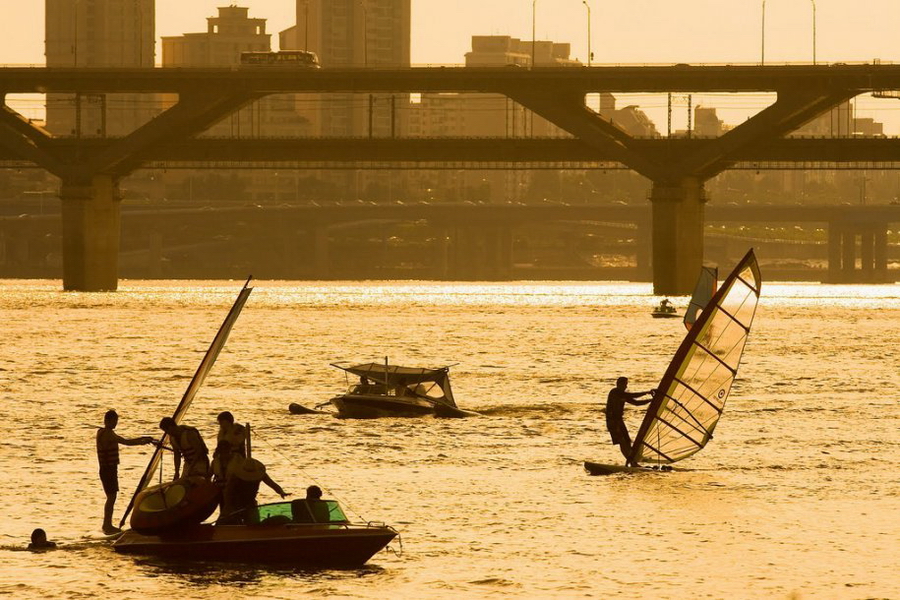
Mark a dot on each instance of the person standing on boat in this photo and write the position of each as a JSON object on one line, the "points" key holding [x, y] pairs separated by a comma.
{"points": [[239, 496], [615, 413], [108, 456], [186, 442], [231, 442]]}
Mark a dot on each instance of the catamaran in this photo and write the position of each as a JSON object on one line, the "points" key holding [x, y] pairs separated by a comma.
{"points": [[386, 390], [691, 396], [167, 518]]}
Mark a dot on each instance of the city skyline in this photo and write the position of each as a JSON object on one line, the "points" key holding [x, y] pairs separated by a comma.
{"points": [[696, 31]]}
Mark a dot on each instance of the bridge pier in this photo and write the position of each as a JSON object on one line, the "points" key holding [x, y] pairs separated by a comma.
{"points": [[843, 241], [91, 219], [678, 208]]}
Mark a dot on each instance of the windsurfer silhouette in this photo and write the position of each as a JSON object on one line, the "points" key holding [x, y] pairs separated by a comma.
{"points": [[615, 414]]}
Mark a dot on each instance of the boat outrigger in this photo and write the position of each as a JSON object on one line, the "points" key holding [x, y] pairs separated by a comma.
{"points": [[166, 521], [385, 390], [690, 399]]}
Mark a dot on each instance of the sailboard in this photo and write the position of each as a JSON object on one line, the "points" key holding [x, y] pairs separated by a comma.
{"points": [[691, 396], [703, 293], [209, 359]]}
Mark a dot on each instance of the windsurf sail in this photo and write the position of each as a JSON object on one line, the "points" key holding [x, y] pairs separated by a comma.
{"points": [[691, 396], [703, 293], [206, 364]]}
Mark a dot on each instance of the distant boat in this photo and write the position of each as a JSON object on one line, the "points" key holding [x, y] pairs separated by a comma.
{"points": [[665, 310], [386, 390], [703, 293], [691, 396], [166, 520]]}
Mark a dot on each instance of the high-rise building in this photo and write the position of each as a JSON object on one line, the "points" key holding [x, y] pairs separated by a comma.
{"points": [[228, 35], [354, 33], [99, 33]]}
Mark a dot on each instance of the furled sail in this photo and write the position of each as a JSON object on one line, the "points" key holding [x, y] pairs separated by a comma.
{"points": [[206, 364], [703, 292], [691, 396]]}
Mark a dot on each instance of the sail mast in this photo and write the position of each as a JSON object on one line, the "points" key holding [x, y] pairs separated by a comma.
{"points": [[691, 395], [206, 364]]}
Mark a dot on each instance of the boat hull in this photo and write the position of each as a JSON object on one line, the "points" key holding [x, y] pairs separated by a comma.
{"points": [[301, 545], [366, 406], [602, 469], [664, 315]]}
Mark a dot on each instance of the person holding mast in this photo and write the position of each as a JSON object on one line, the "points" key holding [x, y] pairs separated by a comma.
{"points": [[108, 442], [615, 414]]}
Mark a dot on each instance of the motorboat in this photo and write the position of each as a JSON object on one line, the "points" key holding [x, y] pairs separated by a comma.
{"points": [[665, 310], [301, 533], [385, 390], [166, 519]]}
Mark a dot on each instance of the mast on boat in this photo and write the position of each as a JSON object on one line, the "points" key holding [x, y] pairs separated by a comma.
{"points": [[206, 364]]}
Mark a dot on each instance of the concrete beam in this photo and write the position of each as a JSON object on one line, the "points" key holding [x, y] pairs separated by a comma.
{"points": [[28, 142], [792, 109], [193, 114], [569, 112]]}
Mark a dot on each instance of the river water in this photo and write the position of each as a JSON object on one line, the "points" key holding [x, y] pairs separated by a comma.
{"points": [[797, 497]]}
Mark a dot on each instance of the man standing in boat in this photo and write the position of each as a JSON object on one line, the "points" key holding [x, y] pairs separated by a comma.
{"points": [[615, 413], [231, 442], [187, 442], [108, 456]]}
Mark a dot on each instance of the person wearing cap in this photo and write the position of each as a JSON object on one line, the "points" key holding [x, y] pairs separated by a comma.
{"points": [[241, 488]]}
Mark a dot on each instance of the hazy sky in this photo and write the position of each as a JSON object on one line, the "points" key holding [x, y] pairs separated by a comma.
{"points": [[636, 31]]}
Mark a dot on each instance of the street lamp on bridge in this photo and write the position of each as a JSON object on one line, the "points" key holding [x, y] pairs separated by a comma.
{"points": [[590, 54], [763, 41]]}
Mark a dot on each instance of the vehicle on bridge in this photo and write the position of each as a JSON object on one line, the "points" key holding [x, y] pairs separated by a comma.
{"points": [[284, 58]]}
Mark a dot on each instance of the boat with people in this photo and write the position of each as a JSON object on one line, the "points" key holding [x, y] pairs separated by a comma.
{"points": [[665, 310], [167, 520], [690, 398], [385, 390]]}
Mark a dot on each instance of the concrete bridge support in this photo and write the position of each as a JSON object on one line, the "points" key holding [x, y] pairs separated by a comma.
{"points": [[90, 232], [678, 208], [849, 243]]}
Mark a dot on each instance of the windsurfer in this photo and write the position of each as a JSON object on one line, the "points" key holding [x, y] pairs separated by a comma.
{"points": [[187, 442], [108, 456], [615, 413]]}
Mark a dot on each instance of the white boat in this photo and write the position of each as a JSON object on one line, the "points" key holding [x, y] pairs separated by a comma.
{"points": [[385, 390], [691, 396]]}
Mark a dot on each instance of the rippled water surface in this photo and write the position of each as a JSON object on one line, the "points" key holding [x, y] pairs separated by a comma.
{"points": [[798, 495]]}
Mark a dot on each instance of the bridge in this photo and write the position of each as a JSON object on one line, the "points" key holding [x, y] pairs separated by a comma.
{"points": [[454, 241], [90, 169]]}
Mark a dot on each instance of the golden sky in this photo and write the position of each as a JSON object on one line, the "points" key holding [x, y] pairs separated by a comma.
{"points": [[636, 31]]}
